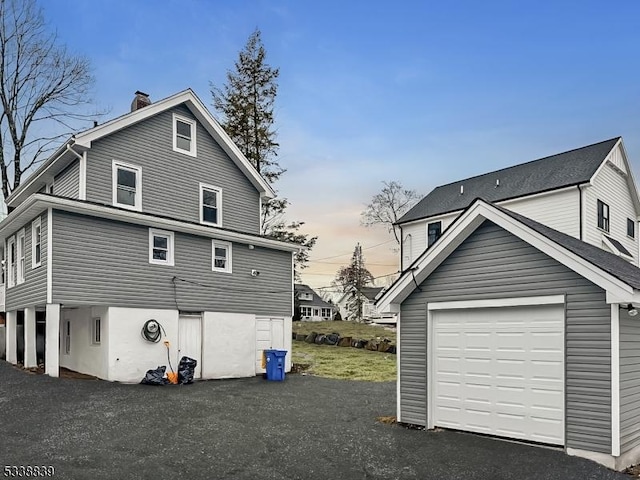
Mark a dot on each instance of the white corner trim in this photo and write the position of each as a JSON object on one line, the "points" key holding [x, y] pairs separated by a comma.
{"points": [[49, 255], [498, 302], [398, 371], [615, 380], [430, 368], [82, 189]]}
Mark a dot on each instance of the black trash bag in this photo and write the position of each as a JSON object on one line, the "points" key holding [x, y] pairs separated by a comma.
{"points": [[331, 339], [320, 339], [155, 377], [186, 370]]}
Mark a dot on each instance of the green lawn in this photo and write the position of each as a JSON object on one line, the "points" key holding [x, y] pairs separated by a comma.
{"points": [[344, 362]]}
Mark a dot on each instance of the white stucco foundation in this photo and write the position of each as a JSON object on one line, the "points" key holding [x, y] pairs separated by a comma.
{"points": [[625, 460], [228, 345], [228, 342]]}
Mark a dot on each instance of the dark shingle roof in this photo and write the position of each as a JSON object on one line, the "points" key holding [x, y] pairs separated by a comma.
{"points": [[562, 170], [606, 261], [317, 299], [619, 246], [370, 292]]}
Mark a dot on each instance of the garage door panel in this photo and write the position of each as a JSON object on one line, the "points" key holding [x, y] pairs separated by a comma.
{"points": [[500, 371]]}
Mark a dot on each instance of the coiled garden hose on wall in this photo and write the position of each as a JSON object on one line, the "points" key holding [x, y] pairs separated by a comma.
{"points": [[152, 331]]}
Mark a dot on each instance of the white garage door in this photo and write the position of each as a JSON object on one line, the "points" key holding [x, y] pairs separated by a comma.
{"points": [[500, 371]]}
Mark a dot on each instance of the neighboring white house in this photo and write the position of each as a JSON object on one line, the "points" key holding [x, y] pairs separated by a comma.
{"points": [[347, 305], [588, 193], [311, 305], [518, 303]]}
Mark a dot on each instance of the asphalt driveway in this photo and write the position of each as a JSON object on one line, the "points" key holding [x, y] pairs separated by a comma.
{"points": [[304, 428]]}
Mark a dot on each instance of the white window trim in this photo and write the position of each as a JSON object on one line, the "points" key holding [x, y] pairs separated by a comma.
{"points": [[153, 232], [10, 280], [228, 246], [114, 185], [37, 223], [94, 320], [20, 252], [218, 190], [193, 151]]}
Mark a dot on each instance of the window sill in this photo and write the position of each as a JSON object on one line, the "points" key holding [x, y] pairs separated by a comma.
{"points": [[185, 152], [603, 230], [162, 264], [128, 207], [220, 270], [211, 224], [37, 265]]}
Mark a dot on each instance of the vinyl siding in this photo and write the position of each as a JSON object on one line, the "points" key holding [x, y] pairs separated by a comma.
{"points": [[493, 263], [629, 382], [67, 182], [34, 289], [171, 180], [418, 232], [559, 210], [611, 187], [103, 262]]}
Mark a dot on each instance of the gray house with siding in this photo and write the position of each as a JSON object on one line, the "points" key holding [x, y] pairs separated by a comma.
{"points": [[512, 328], [154, 215]]}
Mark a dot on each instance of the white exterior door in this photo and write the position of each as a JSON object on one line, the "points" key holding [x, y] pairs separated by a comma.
{"points": [[190, 340], [269, 335], [499, 371]]}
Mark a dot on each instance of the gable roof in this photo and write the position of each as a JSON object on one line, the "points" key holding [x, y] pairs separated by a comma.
{"points": [[574, 167], [82, 141], [612, 273], [370, 292], [317, 301]]}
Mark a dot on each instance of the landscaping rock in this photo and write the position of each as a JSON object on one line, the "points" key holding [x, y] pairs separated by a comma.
{"points": [[345, 342], [311, 338], [301, 337]]}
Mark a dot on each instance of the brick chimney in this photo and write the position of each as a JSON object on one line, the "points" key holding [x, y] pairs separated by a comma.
{"points": [[140, 100]]}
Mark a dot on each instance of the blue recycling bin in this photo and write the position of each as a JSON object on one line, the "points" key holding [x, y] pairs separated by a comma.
{"points": [[275, 364]]}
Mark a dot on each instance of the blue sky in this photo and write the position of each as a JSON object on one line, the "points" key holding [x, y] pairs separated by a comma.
{"points": [[421, 92]]}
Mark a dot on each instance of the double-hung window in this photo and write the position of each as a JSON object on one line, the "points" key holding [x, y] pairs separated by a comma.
{"points": [[184, 135], [603, 216], [127, 185], [221, 252], [434, 230], [36, 243], [210, 205], [161, 247], [11, 262], [21, 257]]}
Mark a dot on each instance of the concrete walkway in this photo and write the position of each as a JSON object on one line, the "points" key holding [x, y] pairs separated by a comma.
{"points": [[304, 428]]}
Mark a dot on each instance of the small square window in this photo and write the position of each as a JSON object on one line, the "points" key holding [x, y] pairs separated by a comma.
{"points": [[631, 228], [603, 216], [221, 252], [161, 247], [96, 331], [184, 135], [210, 205], [127, 186], [36, 243]]}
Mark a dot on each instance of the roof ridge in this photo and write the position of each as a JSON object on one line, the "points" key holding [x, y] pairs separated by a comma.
{"points": [[527, 163]]}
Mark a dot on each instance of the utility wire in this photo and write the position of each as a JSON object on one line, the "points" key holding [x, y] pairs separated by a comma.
{"points": [[351, 253]]}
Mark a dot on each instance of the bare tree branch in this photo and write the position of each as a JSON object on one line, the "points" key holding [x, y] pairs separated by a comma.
{"points": [[41, 85], [388, 206]]}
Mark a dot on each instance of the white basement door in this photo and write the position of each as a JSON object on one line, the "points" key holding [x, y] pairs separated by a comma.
{"points": [[500, 371], [190, 340], [269, 335]]}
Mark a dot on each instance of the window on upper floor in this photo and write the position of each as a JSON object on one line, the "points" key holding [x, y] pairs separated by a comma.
{"points": [[161, 247], [36, 243], [631, 228], [210, 205], [21, 257], [305, 296], [434, 230], [221, 253], [184, 135], [11, 262], [127, 186], [603, 216]]}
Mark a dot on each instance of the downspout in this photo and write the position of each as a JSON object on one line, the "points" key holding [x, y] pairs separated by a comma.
{"points": [[69, 149]]}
